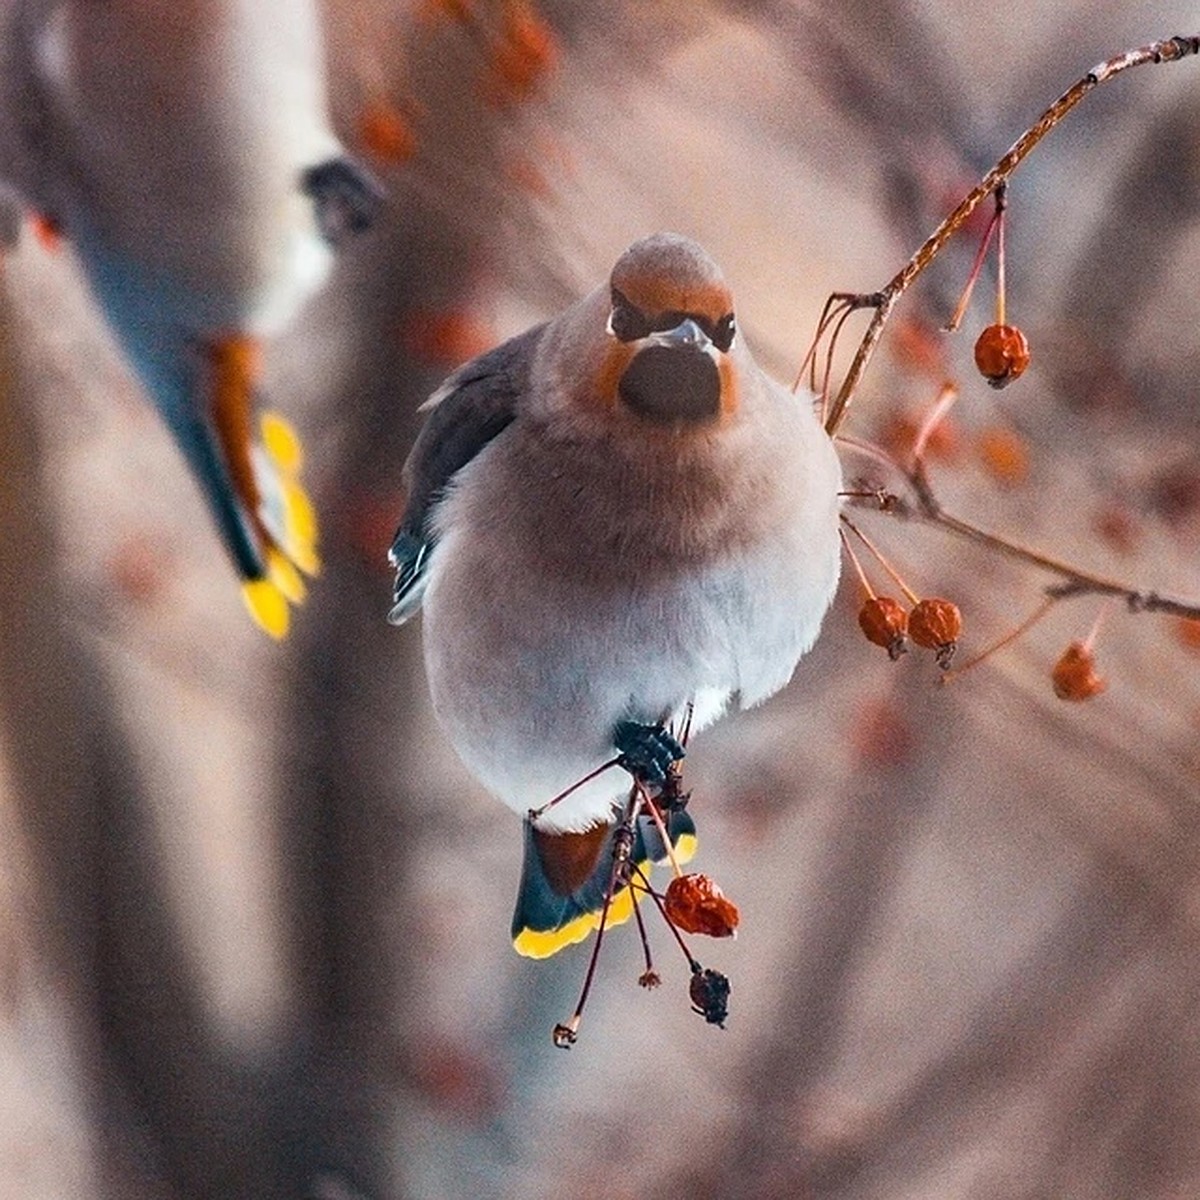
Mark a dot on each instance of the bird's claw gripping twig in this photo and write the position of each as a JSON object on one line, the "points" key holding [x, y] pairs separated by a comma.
{"points": [[646, 751]]}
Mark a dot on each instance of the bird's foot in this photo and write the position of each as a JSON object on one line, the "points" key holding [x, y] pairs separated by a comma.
{"points": [[647, 752], [347, 198]]}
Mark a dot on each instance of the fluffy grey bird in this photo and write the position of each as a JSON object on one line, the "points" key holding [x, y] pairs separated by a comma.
{"points": [[613, 519]]}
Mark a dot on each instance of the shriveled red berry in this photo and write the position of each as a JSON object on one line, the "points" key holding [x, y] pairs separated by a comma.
{"points": [[696, 905], [1001, 354], [936, 625], [1074, 675], [884, 622]]}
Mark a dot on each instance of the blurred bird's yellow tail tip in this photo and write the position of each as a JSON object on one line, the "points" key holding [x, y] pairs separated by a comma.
{"points": [[282, 443], [288, 527], [268, 606], [286, 509]]}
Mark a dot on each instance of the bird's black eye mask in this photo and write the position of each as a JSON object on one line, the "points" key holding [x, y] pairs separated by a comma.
{"points": [[629, 324]]}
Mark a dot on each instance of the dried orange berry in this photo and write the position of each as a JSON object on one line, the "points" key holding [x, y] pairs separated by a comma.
{"points": [[884, 622], [385, 134], [936, 625], [899, 435], [1001, 354], [695, 904], [525, 53], [1188, 631], [1074, 675], [1004, 456]]}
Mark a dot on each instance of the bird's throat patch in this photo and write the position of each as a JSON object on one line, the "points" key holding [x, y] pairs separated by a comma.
{"points": [[668, 384]]}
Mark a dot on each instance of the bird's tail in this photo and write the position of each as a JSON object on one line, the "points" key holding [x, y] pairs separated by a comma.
{"points": [[287, 518], [566, 876], [263, 467]]}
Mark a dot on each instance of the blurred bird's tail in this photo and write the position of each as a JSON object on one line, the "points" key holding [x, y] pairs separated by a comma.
{"points": [[275, 546], [565, 877], [286, 514]]}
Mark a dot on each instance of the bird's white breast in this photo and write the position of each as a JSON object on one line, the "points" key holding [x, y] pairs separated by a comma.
{"points": [[540, 635]]}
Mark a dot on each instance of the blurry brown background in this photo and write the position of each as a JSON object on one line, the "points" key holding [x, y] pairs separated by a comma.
{"points": [[253, 914]]}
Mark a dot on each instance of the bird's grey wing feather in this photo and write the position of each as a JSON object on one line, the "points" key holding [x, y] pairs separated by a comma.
{"points": [[475, 404]]}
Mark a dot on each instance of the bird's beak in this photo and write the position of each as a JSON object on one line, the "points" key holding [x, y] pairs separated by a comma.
{"points": [[687, 334]]}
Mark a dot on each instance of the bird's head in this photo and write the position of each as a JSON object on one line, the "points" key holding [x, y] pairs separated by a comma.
{"points": [[670, 334]]}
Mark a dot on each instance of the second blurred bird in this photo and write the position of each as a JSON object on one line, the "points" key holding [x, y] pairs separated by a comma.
{"points": [[184, 150]]}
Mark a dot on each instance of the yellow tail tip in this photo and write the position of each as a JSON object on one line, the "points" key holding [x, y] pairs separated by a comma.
{"points": [[268, 606], [301, 515], [543, 943], [686, 847], [282, 443], [282, 572], [286, 511]]}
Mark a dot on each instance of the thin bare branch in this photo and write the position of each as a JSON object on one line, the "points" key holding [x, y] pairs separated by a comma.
{"points": [[1167, 50], [1076, 581]]}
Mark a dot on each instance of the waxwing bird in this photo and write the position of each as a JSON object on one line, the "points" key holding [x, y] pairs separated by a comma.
{"points": [[614, 519], [184, 150]]}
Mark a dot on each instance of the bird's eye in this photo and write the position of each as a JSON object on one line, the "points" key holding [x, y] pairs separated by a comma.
{"points": [[724, 333], [626, 323]]}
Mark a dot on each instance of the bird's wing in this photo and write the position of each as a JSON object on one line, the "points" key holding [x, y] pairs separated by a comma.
{"points": [[475, 404]]}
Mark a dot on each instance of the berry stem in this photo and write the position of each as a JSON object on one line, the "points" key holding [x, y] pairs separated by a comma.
{"points": [[692, 962], [878, 555], [651, 808], [641, 927], [862, 575], [924, 506], [940, 407], [622, 844], [534, 813], [960, 310], [686, 732], [1001, 282], [1089, 642], [834, 306]]}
